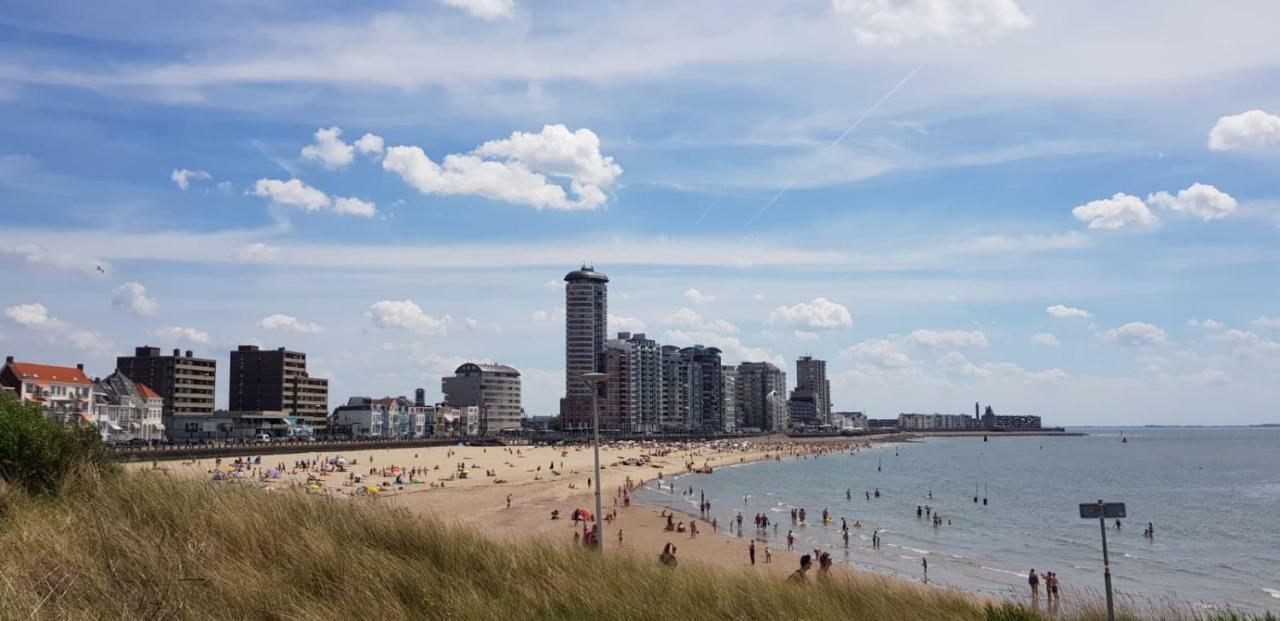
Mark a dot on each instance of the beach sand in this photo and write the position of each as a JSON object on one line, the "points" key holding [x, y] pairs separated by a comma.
{"points": [[479, 501]]}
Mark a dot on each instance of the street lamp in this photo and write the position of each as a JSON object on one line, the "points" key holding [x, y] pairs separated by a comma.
{"points": [[593, 380]]}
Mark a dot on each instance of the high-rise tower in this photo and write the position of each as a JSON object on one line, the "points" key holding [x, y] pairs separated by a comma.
{"points": [[586, 310], [812, 375]]}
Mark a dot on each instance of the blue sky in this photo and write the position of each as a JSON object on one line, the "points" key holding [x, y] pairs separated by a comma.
{"points": [[949, 200]]}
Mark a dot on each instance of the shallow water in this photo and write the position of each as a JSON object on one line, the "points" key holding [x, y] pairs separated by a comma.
{"points": [[1212, 494]]}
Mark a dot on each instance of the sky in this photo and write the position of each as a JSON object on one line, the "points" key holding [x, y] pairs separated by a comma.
{"points": [[1064, 209]]}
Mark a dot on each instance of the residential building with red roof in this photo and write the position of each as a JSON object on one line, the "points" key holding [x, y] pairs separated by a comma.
{"points": [[64, 393], [126, 410]]}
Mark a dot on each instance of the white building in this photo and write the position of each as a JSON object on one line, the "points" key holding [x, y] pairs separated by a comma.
{"points": [[64, 393], [126, 410], [359, 418]]}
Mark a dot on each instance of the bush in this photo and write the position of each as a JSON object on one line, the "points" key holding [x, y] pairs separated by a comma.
{"points": [[1009, 611], [38, 456]]}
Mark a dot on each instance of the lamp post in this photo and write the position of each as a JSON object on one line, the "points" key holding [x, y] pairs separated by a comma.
{"points": [[593, 380]]}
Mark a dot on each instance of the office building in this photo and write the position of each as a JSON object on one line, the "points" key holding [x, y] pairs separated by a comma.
{"points": [[812, 375], [494, 388], [65, 394], [276, 380], [183, 381], [762, 403]]}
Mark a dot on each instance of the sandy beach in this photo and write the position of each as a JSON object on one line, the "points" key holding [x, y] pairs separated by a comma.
{"points": [[539, 480]]}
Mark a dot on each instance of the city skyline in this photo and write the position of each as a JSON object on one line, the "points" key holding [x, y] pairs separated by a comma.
{"points": [[1054, 209]]}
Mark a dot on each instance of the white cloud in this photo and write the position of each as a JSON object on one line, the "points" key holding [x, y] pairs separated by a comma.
{"points": [[1135, 334], [948, 339], [178, 334], [485, 9], [1252, 130], [553, 285], [1067, 312], [1207, 324], [344, 205], [689, 318], [133, 295], [329, 149], [257, 253], [225, 187], [290, 323], [698, 297], [369, 144], [818, 314], [406, 315], [184, 177], [802, 335], [892, 22], [1044, 339], [757, 296], [34, 316], [732, 347], [1116, 212], [472, 324], [625, 324], [293, 193], [956, 364], [521, 176], [1202, 201], [1267, 323], [555, 314], [33, 254], [879, 352]]}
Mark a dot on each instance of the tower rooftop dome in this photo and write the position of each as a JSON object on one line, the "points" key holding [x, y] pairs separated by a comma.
{"points": [[586, 273]]}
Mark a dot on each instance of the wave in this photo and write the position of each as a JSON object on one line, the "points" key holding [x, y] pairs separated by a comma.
{"points": [[916, 550], [1272, 592], [1001, 571]]}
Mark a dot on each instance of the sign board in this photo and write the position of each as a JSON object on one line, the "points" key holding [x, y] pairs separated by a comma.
{"points": [[1095, 510]]}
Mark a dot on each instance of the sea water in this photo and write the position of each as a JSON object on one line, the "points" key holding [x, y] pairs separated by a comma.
{"points": [[1212, 494]]}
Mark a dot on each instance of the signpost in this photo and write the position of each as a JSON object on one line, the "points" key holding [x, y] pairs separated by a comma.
{"points": [[1103, 511]]}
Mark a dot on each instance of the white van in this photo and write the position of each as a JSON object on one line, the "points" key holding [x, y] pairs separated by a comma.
{"points": [[262, 438]]}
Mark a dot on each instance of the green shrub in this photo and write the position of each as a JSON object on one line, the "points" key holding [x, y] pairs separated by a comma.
{"points": [[1009, 611], [38, 456]]}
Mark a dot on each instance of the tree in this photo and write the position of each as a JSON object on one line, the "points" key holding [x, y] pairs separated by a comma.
{"points": [[39, 455]]}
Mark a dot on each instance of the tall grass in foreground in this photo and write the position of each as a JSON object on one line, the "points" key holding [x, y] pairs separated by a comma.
{"points": [[144, 546]]}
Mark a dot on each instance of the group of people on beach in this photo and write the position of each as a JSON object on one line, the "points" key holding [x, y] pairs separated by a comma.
{"points": [[1051, 587]]}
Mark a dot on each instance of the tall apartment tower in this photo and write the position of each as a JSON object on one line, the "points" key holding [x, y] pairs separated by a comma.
{"points": [[276, 380], [762, 396], [706, 389], [585, 331], [676, 381], [729, 376], [632, 399], [185, 382], [420, 397], [812, 375]]}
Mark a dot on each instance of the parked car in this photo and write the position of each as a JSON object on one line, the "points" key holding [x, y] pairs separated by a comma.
{"points": [[262, 438]]}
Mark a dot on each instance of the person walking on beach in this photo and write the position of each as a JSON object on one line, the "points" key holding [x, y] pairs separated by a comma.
{"points": [[1033, 580], [846, 538], [751, 551], [508, 501], [800, 576], [924, 562], [791, 541], [848, 494]]}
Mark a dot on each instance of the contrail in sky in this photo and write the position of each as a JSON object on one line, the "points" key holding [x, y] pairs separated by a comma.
{"points": [[837, 141]]}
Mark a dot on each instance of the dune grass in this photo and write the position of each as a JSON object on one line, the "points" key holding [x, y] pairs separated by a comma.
{"points": [[146, 546]]}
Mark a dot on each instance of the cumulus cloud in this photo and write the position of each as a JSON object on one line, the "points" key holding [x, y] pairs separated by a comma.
{"points": [[893, 22], [344, 205], [178, 334], [406, 315], [698, 297], [369, 144], [1200, 200], [1267, 323], [257, 253], [34, 316], [956, 364], [948, 339], [1067, 312], [40, 256], [184, 177], [817, 314], [732, 348], [618, 323], [1044, 339], [517, 169], [133, 296], [293, 193], [289, 323], [689, 318], [1117, 212], [329, 149], [1135, 334], [555, 314], [802, 335], [484, 9], [878, 352], [1252, 130]]}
